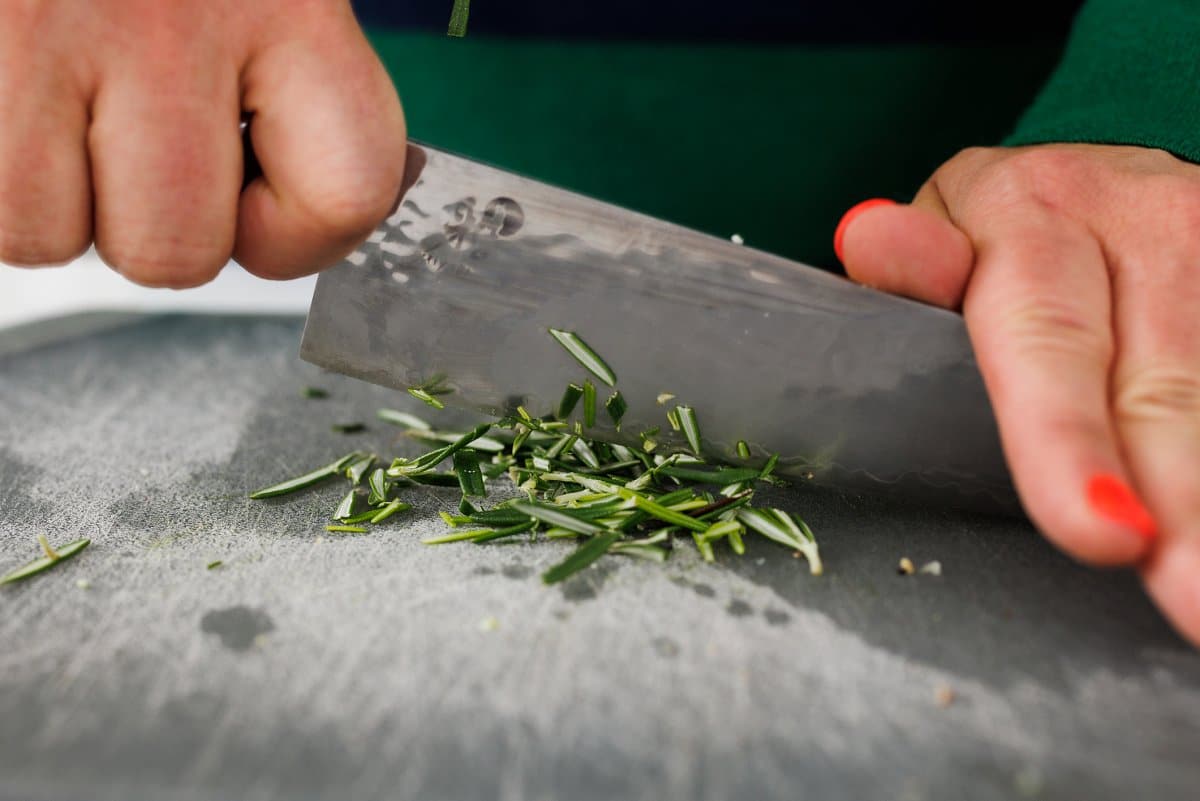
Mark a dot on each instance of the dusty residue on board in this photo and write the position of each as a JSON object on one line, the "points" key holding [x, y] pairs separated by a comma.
{"points": [[517, 572], [237, 626]]}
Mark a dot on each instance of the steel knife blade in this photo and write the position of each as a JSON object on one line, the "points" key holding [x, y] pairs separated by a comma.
{"points": [[853, 388]]}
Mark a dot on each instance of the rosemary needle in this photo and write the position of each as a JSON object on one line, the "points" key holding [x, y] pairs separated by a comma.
{"points": [[585, 355], [389, 510], [402, 419], [616, 408], [306, 480], [458, 18], [586, 554], [52, 557], [424, 396], [346, 529], [570, 398], [589, 404], [315, 393], [691, 429]]}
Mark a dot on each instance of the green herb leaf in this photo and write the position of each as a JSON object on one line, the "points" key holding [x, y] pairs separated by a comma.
{"points": [[616, 408], [458, 18], [586, 554], [402, 419], [424, 396], [470, 478], [457, 536], [500, 534], [663, 513], [306, 480], [691, 429], [315, 393], [389, 510], [46, 562], [570, 398], [349, 428], [585, 355], [346, 507], [356, 470], [346, 529], [377, 484], [213, 565], [743, 450], [589, 404], [558, 517], [705, 475]]}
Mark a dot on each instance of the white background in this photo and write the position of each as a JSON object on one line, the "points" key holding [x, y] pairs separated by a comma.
{"points": [[89, 285]]}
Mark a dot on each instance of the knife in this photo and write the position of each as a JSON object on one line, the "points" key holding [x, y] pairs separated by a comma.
{"points": [[853, 388]]}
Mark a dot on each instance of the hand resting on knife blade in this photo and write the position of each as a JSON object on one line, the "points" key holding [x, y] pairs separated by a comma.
{"points": [[1077, 268]]}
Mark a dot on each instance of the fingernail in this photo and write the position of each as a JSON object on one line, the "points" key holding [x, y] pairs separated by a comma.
{"points": [[1112, 499], [849, 216]]}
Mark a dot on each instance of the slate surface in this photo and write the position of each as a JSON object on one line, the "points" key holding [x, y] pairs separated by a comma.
{"points": [[316, 667]]}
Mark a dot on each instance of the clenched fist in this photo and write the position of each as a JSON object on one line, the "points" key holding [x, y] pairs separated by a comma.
{"points": [[120, 126]]}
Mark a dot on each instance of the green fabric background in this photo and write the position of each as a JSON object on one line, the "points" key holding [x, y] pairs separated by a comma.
{"points": [[1130, 76], [770, 142]]}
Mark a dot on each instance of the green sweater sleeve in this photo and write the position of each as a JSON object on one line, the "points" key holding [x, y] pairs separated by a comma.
{"points": [[1130, 75]]}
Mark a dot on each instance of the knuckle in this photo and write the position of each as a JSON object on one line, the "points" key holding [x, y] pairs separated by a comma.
{"points": [[1040, 325], [1044, 174], [351, 207], [166, 265], [1159, 394]]}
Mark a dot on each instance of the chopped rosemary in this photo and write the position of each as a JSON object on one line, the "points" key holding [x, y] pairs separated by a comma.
{"points": [[213, 565], [377, 484], [570, 399], [585, 355], [616, 408], [423, 395], [402, 419], [346, 529], [691, 429], [458, 18], [346, 507], [610, 497], [315, 393], [306, 480], [51, 558], [349, 428], [470, 478], [389, 510], [589, 404]]}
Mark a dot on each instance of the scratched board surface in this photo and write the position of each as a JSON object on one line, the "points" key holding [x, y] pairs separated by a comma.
{"points": [[310, 666]]}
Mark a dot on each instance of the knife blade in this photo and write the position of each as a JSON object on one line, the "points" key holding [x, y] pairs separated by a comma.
{"points": [[853, 388]]}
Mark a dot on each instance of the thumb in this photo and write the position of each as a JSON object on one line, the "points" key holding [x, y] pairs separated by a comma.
{"points": [[909, 250]]}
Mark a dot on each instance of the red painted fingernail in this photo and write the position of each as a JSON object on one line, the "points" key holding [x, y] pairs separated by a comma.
{"points": [[854, 211], [1112, 499]]}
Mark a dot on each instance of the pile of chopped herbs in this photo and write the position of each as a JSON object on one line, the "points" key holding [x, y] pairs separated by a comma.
{"points": [[613, 499]]}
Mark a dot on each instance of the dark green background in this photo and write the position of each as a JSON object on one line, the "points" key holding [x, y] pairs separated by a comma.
{"points": [[772, 142]]}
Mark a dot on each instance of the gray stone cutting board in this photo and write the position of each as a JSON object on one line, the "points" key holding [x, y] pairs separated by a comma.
{"points": [[312, 666]]}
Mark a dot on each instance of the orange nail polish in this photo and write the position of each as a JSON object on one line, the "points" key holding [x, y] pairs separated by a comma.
{"points": [[854, 211], [1112, 499]]}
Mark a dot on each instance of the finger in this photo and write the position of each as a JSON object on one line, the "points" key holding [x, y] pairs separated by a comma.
{"points": [[329, 135], [1156, 397], [45, 195], [1038, 311], [913, 251], [166, 165]]}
